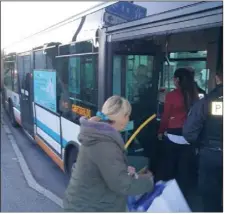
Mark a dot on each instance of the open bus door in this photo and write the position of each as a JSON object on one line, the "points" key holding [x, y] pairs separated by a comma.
{"points": [[26, 91], [135, 67]]}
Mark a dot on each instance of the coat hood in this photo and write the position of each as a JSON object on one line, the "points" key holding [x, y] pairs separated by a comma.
{"points": [[92, 132]]}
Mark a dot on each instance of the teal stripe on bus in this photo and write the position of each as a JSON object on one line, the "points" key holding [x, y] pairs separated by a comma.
{"points": [[51, 133]]}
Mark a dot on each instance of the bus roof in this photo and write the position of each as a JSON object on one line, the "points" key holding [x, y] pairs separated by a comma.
{"points": [[14, 46], [197, 15], [114, 16]]}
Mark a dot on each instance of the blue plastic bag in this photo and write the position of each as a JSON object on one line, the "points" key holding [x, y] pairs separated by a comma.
{"points": [[141, 203], [171, 200]]}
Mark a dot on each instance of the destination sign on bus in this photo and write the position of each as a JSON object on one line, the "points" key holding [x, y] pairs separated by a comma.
{"points": [[81, 111], [110, 19], [127, 10]]}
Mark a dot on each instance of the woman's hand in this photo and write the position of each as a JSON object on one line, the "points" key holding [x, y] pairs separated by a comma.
{"points": [[145, 171], [149, 174], [131, 170]]}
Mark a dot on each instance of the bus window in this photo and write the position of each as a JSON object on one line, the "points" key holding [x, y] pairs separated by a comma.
{"points": [[196, 60], [49, 62], [14, 76], [82, 79], [138, 77], [15, 81], [74, 75], [132, 78], [89, 79], [10, 74], [20, 69], [8, 77], [26, 70], [62, 88], [77, 86], [39, 60], [117, 75]]}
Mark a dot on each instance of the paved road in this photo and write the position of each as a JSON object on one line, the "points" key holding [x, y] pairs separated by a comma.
{"points": [[17, 194], [44, 170]]}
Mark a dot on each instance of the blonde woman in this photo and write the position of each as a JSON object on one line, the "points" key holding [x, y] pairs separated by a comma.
{"points": [[102, 180]]}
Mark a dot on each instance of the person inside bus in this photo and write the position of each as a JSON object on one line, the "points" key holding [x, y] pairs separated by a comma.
{"points": [[141, 91], [63, 97], [177, 152], [142, 81], [101, 180], [201, 92]]}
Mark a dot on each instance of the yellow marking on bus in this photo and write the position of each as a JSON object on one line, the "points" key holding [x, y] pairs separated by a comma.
{"points": [[81, 111]]}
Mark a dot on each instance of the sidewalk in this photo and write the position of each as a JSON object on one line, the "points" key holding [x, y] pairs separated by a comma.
{"points": [[16, 195]]}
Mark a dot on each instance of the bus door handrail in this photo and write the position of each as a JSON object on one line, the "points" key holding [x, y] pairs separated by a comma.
{"points": [[138, 130]]}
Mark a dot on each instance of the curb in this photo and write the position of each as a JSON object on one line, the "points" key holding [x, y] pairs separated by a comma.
{"points": [[32, 183]]}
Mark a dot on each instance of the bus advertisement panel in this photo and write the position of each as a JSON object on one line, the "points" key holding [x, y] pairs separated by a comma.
{"points": [[45, 89]]}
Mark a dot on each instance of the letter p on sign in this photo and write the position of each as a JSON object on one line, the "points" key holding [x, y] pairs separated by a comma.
{"points": [[217, 108]]}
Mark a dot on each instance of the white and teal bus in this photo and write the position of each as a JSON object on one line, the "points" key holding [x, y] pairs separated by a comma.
{"points": [[68, 70]]}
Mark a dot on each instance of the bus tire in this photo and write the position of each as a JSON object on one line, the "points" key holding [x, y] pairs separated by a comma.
{"points": [[72, 158], [12, 116]]}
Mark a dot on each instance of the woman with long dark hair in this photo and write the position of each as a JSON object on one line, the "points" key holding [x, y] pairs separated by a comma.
{"points": [[178, 153]]}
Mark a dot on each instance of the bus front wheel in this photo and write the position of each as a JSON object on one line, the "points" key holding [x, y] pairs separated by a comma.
{"points": [[72, 158]]}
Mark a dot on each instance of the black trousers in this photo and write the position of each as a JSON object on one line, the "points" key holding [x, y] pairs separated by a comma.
{"points": [[211, 179], [179, 162]]}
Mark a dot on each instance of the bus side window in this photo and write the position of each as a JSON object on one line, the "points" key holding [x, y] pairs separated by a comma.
{"points": [[77, 77], [83, 85], [40, 60], [196, 60], [89, 79], [8, 77], [138, 77], [74, 75], [117, 74], [63, 98], [20, 70], [15, 81]]}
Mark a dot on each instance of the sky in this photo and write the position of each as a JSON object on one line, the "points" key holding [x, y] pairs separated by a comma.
{"points": [[21, 19]]}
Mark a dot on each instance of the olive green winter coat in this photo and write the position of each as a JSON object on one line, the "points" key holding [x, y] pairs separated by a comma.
{"points": [[99, 180]]}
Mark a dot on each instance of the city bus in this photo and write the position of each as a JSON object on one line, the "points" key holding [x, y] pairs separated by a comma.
{"points": [[68, 70]]}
